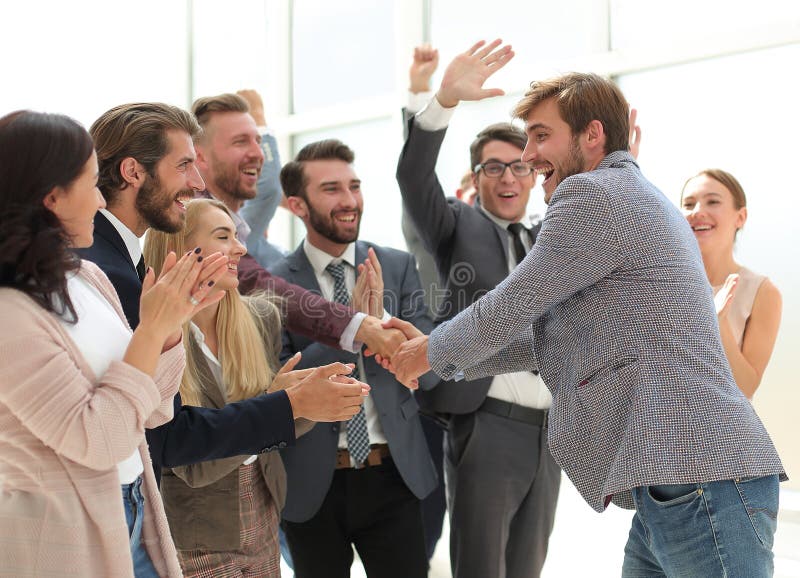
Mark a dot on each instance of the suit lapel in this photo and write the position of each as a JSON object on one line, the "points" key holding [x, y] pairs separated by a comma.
{"points": [[103, 228], [303, 271]]}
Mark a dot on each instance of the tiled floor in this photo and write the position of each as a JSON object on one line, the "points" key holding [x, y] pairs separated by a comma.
{"points": [[585, 543]]}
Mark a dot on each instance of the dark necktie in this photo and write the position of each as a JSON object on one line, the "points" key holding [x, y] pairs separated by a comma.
{"points": [[140, 270], [357, 434], [517, 230]]}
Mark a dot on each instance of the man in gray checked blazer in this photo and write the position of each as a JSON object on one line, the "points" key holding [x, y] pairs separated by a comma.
{"points": [[337, 498], [497, 434], [613, 307]]}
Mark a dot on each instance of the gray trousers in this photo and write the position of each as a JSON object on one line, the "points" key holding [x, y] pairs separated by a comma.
{"points": [[502, 488]]}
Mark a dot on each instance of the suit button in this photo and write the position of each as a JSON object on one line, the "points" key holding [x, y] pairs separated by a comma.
{"points": [[282, 445], [335, 428], [535, 372]]}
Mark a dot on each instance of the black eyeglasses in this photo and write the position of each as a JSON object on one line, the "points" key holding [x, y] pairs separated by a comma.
{"points": [[495, 169]]}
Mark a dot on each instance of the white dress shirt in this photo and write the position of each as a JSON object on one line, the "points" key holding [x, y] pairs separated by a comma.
{"points": [[132, 242], [319, 261]]}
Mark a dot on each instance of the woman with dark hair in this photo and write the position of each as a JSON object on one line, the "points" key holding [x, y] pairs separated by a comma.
{"points": [[748, 304], [77, 388]]}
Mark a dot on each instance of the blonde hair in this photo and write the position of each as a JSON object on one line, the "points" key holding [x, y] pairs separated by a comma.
{"points": [[248, 328]]}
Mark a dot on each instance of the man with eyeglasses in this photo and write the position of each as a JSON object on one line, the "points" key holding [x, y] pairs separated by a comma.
{"points": [[502, 482]]}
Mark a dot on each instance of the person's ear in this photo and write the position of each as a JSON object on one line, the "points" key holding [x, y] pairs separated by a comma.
{"points": [[51, 200], [201, 161], [594, 135], [297, 206], [132, 172], [741, 218]]}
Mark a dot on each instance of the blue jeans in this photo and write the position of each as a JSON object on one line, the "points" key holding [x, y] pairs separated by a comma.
{"points": [[133, 500], [713, 529]]}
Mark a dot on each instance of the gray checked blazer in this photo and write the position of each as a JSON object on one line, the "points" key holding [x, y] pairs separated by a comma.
{"points": [[613, 306], [310, 463], [469, 249]]}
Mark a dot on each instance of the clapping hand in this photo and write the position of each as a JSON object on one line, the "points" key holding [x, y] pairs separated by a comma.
{"points": [[368, 291], [724, 297]]}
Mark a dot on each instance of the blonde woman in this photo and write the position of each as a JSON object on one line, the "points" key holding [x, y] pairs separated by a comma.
{"points": [[748, 304], [224, 513]]}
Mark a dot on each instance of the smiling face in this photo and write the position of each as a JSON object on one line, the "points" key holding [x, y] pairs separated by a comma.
{"points": [[231, 157], [505, 196], [214, 231], [709, 207], [175, 179], [332, 204], [552, 149], [76, 205]]}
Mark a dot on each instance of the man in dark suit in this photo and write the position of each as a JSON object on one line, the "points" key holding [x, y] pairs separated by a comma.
{"points": [[147, 167], [613, 305], [359, 483], [497, 435]]}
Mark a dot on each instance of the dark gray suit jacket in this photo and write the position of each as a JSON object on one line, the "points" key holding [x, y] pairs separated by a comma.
{"points": [[470, 251], [310, 463], [613, 305]]}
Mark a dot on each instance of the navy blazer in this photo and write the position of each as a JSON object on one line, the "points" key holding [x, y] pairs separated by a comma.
{"points": [[195, 434], [311, 463]]}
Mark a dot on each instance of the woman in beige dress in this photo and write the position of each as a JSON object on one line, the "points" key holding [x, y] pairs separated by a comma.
{"points": [[748, 304]]}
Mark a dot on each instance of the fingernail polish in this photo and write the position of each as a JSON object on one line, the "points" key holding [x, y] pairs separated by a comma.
{"points": [[197, 250], [199, 258], [210, 283]]}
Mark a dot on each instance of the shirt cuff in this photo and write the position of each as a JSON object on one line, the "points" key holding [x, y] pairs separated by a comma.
{"points": [[347, 341], [386, 316], [249, 460], [434, 116], [417, 100]]}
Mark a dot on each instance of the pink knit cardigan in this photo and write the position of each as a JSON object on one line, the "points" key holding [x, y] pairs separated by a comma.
{"points": [[62, 433]]}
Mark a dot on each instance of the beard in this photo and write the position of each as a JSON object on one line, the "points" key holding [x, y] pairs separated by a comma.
{"points": [[226, 180], [154, 206], [325, 225]]}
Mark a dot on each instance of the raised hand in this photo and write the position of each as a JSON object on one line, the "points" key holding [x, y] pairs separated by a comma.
{"points": [[464, 77], [426, 60], [635, 135], [256, 105], [288, 376], [724, 297], [327, 394], [368, 290]]}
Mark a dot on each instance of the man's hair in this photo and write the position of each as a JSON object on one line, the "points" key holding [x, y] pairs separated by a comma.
{"points": [[582, 98], [293, 178], [203, 108], [502, 131], [137, 130], [728, 180]]}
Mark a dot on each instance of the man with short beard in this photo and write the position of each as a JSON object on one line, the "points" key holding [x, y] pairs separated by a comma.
{"points": [[146, 161], [359, 483], [230, 160]]}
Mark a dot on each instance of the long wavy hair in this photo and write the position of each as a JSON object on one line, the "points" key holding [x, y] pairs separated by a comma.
{"points": [[38, 152], [248, 328]]}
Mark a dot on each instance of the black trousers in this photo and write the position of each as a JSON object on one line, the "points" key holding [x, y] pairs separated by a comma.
{"points": [[434, 505], [369, 508]]}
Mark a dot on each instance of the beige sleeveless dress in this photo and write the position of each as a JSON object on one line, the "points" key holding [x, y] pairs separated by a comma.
{"points": [[742, 304]]}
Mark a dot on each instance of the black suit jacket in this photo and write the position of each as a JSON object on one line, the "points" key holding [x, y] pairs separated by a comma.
{"points": [[195, 434]]}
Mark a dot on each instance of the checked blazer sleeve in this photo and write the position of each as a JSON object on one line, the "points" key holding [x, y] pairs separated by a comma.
{"points": [[577, 246]]}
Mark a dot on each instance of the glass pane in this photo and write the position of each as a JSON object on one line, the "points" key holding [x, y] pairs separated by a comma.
{"points": [[541, 33], [645, 25], [230, 47], [61, 57], [739, 113], [341, 51], [377, 146]]}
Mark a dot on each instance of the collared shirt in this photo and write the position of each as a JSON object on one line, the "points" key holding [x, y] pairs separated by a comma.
{"points": [[522, 387], [132, 242], [319, 261], [215, 366]]}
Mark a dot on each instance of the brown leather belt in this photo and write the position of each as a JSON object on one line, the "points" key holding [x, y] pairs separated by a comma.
{"points": [[377, 454]]}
